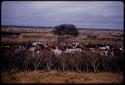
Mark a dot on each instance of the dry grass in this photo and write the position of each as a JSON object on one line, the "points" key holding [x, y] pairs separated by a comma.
{"points": [[63, 77]]}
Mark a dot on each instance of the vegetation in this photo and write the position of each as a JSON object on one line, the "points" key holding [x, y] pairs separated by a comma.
{"points": [[66, 29], [79, 61]]}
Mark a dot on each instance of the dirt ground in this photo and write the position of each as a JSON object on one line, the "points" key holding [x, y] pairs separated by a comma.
{"points": [[61, 77]]}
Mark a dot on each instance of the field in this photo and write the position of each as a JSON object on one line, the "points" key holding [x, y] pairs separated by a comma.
{"points": [[63, 77], [44, 35], [43, 65]]}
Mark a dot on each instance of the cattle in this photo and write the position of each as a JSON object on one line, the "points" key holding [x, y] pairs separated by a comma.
{"points": [[121, 49], [67, 55], [69, 50], [56, 51]]}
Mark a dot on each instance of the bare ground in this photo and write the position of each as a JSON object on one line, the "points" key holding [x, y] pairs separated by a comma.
{"points": [[62, 77]]}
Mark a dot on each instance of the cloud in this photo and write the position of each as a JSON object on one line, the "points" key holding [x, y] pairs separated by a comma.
{"points": [[93, 14]]}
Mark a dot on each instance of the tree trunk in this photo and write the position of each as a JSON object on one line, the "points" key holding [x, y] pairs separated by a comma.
{"points": [[48, 65], [35, 70], [87, 68], [63, 67]]}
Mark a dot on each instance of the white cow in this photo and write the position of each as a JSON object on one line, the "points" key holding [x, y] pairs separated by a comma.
{"points": [[57, 51], [35, 43], [121, 49], [78, 49], [102, 48], [69, 50], [107, 47], [72, 50], [32, 49]]}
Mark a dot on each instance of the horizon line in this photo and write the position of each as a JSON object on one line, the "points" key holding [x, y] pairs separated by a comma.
{"points": [[82, 28]]}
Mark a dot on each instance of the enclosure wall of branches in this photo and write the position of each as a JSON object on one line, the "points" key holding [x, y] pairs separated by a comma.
{"points": [[86, 61]]}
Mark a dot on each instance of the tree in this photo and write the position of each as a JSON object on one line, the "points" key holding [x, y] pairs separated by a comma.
{"points": [[66, 30]]}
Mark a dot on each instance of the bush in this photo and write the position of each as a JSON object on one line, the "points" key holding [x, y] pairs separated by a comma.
{"points": [[77, 61]]}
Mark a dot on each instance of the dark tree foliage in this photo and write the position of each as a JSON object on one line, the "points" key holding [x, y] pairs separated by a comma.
{"points": [[66, 29]]}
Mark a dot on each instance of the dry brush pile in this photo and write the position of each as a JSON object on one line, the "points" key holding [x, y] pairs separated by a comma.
{"points": [[78, 61]]}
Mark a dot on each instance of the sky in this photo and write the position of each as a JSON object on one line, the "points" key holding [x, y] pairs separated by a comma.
{"points": [[82, 14]]}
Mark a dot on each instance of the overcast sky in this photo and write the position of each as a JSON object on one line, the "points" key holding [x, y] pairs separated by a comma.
{"points": [[83, 14]]}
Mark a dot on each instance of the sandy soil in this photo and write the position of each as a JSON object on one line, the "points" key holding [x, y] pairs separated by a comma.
{"points": [[61, 77]]}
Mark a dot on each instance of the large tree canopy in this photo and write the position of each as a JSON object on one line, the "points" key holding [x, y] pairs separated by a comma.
{"points": [[66, 29]]}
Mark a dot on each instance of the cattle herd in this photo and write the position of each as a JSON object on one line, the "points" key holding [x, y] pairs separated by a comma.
{"points": [[62, 57]]}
